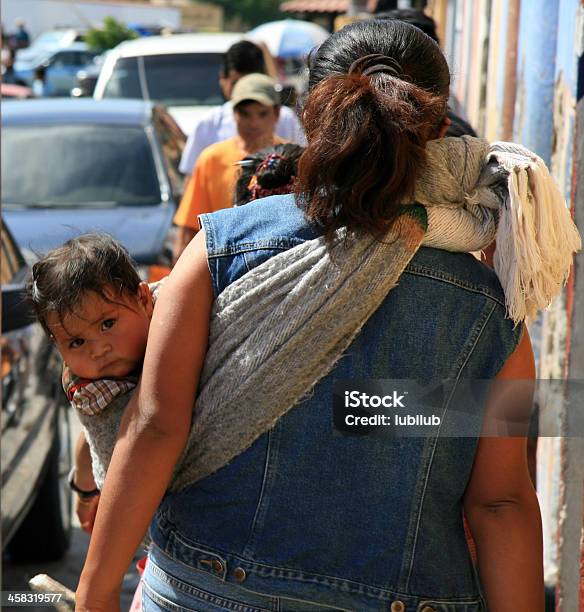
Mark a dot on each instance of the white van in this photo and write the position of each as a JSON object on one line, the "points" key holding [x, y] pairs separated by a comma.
{"points": [[180, 71]]}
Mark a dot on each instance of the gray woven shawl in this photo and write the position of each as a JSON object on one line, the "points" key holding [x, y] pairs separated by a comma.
{"points": [[280, 328]]}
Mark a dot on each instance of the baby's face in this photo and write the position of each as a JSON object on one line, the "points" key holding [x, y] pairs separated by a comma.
{"points": [[104, 339]]}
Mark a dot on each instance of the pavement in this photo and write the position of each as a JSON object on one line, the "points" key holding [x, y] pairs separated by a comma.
{"points": [[15, 576]]}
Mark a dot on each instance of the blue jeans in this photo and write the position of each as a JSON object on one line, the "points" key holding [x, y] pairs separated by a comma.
{"points": [[169, 585]]}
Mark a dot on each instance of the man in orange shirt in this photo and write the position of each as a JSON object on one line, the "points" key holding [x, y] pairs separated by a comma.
{"points": [[256, 110]]}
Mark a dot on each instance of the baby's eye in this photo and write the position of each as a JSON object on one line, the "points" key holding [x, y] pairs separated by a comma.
{"points": [[108, 324], [76, 343]]}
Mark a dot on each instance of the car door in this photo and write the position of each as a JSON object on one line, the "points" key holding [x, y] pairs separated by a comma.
{"points": [[31, 397]]}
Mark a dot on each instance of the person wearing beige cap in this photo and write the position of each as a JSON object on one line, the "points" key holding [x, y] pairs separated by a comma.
{"points": [[256, 108]]}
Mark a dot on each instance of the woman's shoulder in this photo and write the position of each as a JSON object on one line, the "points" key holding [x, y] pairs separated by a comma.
{"points": [[272, 222]]}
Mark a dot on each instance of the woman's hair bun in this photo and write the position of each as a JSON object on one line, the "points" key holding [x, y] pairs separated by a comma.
{"points": [[378, 91], [369, 65]]}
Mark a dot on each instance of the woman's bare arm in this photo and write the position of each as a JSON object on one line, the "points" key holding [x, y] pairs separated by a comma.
{"points": [[154, 429], [500, 502]]}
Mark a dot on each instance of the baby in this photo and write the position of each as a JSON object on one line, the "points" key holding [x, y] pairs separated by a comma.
{"points": [[90, 300]]}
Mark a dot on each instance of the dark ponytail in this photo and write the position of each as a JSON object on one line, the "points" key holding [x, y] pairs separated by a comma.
{"points": [[378, 92]]}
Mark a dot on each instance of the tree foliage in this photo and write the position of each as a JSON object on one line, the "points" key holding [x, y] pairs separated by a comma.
{"points": [[250, 13], [111, 35]]}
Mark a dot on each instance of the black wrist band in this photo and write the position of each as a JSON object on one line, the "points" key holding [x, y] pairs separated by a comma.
{"points": [[82, 494]]}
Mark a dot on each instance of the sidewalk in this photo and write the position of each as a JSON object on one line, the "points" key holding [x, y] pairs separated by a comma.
{"points": [[15, 576]]}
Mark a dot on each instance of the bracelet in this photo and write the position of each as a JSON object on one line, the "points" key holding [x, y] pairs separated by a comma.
{"points": [[82, 494]]}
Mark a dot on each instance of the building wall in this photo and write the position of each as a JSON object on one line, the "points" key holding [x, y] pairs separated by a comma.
{"points": [[497, 38], [537, 100], [197, 15], [568, 167], [42, 15], [202, 16]]}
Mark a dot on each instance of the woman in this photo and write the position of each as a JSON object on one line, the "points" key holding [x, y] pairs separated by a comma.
{"points": [[296, 516]]}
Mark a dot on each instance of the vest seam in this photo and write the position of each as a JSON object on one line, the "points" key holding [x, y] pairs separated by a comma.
{"points": [[483, 324], [208, 227], [427, 273], [266, 479], [472, 348], [210, 239], [214, 277], [261, 245], [245, 262]]}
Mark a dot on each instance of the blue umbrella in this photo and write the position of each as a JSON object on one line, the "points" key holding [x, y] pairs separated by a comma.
{"points": [[289, 37]]}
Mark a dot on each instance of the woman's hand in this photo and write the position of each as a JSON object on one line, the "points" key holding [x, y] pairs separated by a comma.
{"points": [[86, 509]]}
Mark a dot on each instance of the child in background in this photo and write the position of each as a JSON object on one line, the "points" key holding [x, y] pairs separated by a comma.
{"points": [[39, 82], [268, 172]]}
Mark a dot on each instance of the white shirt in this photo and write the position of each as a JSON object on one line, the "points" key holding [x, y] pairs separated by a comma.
{"points": [[219, 124]]}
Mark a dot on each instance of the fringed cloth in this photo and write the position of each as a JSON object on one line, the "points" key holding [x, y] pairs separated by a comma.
{"points": [[280, 328]]}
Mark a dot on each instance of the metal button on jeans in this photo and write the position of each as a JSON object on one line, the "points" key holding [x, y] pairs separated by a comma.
{"points": [[428, 609], [398, 606], [215, 564], [239, 574]]}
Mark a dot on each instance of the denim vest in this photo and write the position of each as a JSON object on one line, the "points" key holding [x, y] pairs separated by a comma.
{"points": [[359, 522]]}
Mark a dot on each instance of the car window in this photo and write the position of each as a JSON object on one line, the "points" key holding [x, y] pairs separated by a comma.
{"points": [[172, 142], [124, 81], [85, 57], [181, 79], [76, 165], [64, 58], [12, 262], [81, 58]]}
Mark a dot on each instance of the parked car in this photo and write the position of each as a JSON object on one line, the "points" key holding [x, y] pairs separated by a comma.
{"points": [[61, 66], [36, 446], [86, 78], [71, 166], [49, 41], [180, 71]]}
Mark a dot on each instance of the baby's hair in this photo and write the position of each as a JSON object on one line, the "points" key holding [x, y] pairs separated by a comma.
{"points": [[270, 171], [87, 263]]}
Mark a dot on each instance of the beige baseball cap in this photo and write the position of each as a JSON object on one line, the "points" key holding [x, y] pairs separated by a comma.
{"points": [[257, 88]]}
